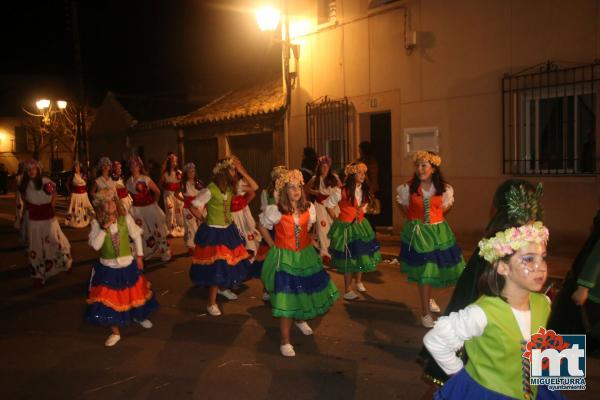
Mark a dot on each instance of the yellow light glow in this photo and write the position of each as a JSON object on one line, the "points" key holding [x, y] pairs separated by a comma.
{"points": [[299, 29], [42, 104], [61, 104], [267, 18]]}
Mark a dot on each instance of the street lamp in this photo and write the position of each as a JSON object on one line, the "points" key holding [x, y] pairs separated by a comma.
{"points": [[267, 18]]}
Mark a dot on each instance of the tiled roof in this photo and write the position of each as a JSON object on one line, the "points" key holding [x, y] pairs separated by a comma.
{"points": [[259, 99]]}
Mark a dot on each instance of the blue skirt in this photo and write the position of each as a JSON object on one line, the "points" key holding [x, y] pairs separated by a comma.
{"points": [[462, 387], [118, 296]]}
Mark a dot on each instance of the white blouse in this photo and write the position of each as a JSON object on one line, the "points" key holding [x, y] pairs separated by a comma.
{"points": [[103, 183], [335, 197], [403, 195], [132, 182], [38, 197], [97, 236], [451, 332], [271, 216]]}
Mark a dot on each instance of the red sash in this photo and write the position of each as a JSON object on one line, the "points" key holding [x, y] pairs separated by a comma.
{"points": [[78, 189], [238, 203], [122, 192], [142, 199], [321, 198], [172, 186], [40, 212], [187, 201]]}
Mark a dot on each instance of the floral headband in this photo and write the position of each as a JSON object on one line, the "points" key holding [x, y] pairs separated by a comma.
{"points": [[188, 167], [104, 161], [354, 168], [223, 165], [31, 163], [104, 195], [509, 241], [428, 156], [278, 170], [291, 177]]}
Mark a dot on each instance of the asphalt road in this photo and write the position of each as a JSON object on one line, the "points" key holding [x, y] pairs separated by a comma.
{"points": [[365, 349]]}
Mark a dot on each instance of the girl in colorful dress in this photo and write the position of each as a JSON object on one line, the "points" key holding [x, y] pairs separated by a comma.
{"points": [[146, 213], [268, 196], [354, 249], [512, 191], [293, 271], [170, 181], [429, 254], [117, 177], [220, 259], [118, 292], [190, 189], [321, 186], [240, 211], [495, 329], [20, 209], [80, 209], [49, 249]]}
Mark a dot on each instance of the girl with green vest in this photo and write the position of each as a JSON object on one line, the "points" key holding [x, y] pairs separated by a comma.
{"points": [[495, 329], [268, 197], [118, 292], [220, 259]]}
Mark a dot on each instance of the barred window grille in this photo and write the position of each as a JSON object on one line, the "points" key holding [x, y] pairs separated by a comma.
{"points": [[328, 125], [549, 120]]}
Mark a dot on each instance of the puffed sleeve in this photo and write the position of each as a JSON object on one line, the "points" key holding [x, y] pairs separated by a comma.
{"points": [[450, 333], [96, 236], [312, 215], [270, 216], [448, 197], [263, 200], [334, 198], [403, 195], [242, 186], [202, 198], [135, 233]]}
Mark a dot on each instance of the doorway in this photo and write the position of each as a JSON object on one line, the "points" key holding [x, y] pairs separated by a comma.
{"points": [[380, 127]]}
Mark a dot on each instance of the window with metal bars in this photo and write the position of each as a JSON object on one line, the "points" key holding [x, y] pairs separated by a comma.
{"points": [[549, 120], [328, 126]]}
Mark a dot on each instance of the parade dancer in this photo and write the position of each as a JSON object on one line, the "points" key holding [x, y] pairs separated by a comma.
{"points": [[190, 189], [220, 260], [118, 291], [20, 209], [320, 187], [354, 248], [495, 329], [429, 254], [146, 213], [80, 209], [49, 249], [510, 192], [246, 188], [170, 181], [268, 196], [117, 177], [293, 271], [104, 179]]}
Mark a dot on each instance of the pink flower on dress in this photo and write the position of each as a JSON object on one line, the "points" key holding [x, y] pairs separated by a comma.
{"points": [[49, 188], [323, 224], [49, 264], [150, 242], [138, 222], [189, 216], [250, 237], [141, 187]]}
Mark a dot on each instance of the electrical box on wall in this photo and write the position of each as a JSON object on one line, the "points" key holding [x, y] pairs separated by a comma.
{"points": [[425, 138]]}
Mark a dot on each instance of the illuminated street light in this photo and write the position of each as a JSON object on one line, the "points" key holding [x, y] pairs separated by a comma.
{"points": [[267, 18], [42, 104], [61, 104]]}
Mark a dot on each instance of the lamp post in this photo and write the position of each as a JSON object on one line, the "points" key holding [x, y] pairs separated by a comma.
{"points": [[268, 19], [49, 111]]}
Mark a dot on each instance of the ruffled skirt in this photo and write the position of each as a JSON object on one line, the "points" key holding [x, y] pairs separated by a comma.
{"points": [[49, 249], [80, 211], [353, 247], [154, 237]]}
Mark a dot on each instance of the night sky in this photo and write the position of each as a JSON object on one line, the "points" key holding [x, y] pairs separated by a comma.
{"points": [[170, 48]]}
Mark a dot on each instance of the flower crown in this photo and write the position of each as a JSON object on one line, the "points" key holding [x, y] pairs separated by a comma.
{"points": [[223, 165], [509, 241], [354, 168], [188, 166], [277, 170], [291, 177], [104, 161], [428, 156], [104, 195]]}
